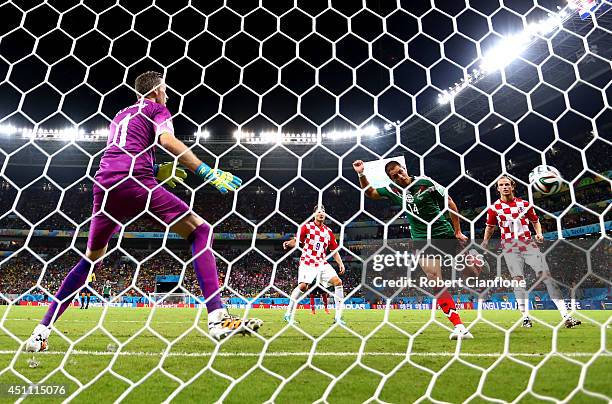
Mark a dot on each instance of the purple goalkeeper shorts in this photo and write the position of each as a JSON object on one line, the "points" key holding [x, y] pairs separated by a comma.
{"points": [[127, 201]]}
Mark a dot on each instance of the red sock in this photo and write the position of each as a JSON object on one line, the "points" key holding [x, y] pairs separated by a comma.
{"points": [[325, 300], [447, 304], [312, 303]]}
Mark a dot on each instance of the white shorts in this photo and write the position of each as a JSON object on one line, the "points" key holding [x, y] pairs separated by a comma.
{"points": [[533, 257], [323, 273]]}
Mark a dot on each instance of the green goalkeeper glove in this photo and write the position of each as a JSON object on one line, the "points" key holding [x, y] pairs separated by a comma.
{"points": [[222, 180], [164, 172]]}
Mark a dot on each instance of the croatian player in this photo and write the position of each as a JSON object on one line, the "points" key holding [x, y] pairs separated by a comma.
{"points": [[424, 201], [512, 215], [315, 239], [126, 185]]}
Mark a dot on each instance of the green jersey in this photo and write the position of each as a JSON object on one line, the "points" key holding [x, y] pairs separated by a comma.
{"points": [[425, 201], [106, 290]]}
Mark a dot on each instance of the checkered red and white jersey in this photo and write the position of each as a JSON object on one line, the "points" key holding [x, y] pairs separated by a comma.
{"points": [[315, 242], [513, 220]]}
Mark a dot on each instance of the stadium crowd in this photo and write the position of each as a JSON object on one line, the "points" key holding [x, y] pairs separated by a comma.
{"points": [[248, 276], [258, 208], [252, 273]]}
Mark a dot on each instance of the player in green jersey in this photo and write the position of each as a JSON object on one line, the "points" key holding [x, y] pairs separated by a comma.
{"points": [[106, 290], [424, 203]]}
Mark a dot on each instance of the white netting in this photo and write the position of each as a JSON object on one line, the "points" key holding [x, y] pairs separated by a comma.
{"points": [[287, 94]]}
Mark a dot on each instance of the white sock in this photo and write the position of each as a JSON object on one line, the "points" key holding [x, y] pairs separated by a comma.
{"points": [[522, 300], [216, 315], [295, 295], [338, 298], [560, 303], [556, 297], [42, 330]]}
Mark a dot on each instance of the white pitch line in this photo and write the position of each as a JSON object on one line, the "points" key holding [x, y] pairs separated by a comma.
{"points": [[287, 354], [189, 322]]}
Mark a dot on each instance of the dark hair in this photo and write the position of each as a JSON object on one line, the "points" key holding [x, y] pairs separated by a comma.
{"points": [[147, 82], [390, 165], [317, 207]]}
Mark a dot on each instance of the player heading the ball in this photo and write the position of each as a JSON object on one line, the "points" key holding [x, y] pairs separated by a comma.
{"points": [[128, 177], [424, 202], [316, 239], [512, 215]]}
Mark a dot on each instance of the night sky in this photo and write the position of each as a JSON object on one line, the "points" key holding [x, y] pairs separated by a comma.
{"points": [[267, 65]]}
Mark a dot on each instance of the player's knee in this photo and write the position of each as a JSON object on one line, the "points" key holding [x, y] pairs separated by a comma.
{"points": [[337, 282], [303, 287], [94, 255], [187, 226]]}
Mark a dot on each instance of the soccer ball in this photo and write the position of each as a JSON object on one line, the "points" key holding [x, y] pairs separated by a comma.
{"points": [[252, 325], [545, 179]]}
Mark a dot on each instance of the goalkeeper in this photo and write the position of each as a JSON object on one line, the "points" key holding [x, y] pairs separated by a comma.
{"points": [[126, 186]]}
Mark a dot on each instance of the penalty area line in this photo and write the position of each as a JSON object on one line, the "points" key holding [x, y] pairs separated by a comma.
{"points": [[289, 354]]}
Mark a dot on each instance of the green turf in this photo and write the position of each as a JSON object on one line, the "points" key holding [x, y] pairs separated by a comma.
{"points": [[286, 373]]}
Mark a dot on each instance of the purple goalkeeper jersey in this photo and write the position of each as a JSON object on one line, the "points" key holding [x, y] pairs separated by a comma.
{"points": [[131, 136]]}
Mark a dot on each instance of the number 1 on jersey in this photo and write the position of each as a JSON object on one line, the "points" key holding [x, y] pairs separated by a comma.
{"points": [[122, 130]]}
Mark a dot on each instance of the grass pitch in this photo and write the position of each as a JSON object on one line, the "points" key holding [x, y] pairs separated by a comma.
{"points": [[119, 354]]}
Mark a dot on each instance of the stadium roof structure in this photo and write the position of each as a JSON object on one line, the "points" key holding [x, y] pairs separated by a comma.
{"points": [[518, 98], [508, 81]]}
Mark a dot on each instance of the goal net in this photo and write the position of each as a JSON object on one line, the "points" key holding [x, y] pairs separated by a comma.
{"points": [[289, 96]]}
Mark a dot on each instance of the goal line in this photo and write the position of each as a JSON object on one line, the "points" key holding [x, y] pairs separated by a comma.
{"points": [[330, 354]]}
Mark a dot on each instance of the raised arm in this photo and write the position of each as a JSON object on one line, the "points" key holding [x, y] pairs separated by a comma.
{"points": [[186, 157], [363, 181]]}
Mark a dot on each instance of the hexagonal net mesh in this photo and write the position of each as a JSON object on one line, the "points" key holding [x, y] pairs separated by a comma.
{"points": [[287, 95]]}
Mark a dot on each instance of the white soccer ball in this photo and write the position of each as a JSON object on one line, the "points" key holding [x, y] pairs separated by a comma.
{"points": [[546, 179]]}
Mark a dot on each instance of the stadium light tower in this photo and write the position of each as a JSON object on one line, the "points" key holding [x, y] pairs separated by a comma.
{"points": [[507, 50], [7, 129]]}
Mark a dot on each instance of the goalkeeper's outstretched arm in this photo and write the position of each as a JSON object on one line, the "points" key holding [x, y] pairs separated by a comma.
{"points": [[222, 180], [185, 156], [363, 181]]}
